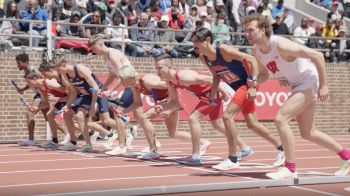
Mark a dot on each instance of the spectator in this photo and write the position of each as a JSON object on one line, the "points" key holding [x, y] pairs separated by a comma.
{"points": [[265, 11], [97, 19], [329, 4], [211, 12], [120, 12], [101, 7], [338, 23], [64, 10], [153, 20], [164, 5], [166, 36], [317, 42], [219, 26], [288, 20], [347, 8], [70, 30], [341, 45], [193, 16], [131, 13], [156, 12], [201, 5], [177, 19], [303, 31], [13, 13], [34, 12], [279, 8], [220, 8], [142, 50], [82, 6], [279, 27], [184, 7], [122, 5], [5, 28], [142, 4], [203, 16], [21, 7], [266, 4], [117, 34], [329, 30], [334, 13]]}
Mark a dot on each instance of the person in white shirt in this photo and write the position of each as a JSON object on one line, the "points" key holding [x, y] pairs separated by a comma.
{"points": [[303, 31]]}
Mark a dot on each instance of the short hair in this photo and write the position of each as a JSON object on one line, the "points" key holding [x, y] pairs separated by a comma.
{"points": [[263, 22], [46, 66], [127, 71], [59, 60], [94, 39], [32, 74], [23, 57], [162, 57], [202, 34]]}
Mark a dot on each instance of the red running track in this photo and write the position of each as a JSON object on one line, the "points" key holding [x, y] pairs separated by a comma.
{"points": [[35, 171]]}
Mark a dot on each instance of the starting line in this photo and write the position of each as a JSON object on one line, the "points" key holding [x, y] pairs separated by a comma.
{"points": [[262, 183]]}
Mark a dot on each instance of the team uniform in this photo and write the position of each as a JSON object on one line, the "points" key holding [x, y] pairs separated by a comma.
{"points": [[158, 94], [213, 111], [301, 73], [234, 74], [83, 100], [55, 93]]}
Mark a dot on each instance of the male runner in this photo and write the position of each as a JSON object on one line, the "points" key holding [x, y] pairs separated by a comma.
{"points": [[225, 62], [303, 69]]}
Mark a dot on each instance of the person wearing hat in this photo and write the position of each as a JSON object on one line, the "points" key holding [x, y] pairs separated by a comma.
{"points": [[193, 16], [334, 13], [221, 28], [203, 16], [70, 30], [317, 42], [166, 36], [341, 45], [64, 10]]}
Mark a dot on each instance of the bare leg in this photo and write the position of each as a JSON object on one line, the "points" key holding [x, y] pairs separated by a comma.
{"points": [[82, 121]]}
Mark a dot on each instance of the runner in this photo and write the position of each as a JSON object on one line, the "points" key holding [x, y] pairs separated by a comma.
{"points": [[225, 62], [303, 69]]}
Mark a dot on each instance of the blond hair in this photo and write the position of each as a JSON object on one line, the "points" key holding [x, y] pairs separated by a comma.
{"points": [[59, 60], [263, 23], [95, 39]]}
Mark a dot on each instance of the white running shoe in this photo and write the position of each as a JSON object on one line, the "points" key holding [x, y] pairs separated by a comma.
{"points": [[150, 156], [204, 147], [28, 143], [147, 149], [117, 151], [344, 169], [94, 137], [282, 173], [110, 141], [280, 159], [226, 165], [65, 140]]}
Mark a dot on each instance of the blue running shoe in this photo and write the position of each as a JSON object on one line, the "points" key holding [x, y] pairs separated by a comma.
{"points": [[245, 152], [190, 160]]}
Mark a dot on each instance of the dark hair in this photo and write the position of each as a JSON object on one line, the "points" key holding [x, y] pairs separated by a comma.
{"points": [[8, 14], [46, 66], [202, 34], [263, 23], [23, 57]]}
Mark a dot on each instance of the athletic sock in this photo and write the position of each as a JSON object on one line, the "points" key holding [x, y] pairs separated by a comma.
{"points": [[290, 166], [73, 142], [110, 135], [54, 139], [91, 133], [280, 148], [234, 159], [344, 154]]}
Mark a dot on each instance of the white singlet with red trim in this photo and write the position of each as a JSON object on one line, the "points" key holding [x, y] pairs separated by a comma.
{"points": [[111, 65], [301, 73]]}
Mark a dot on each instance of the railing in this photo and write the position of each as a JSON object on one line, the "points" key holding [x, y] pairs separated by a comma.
{"points": [[50, 38]]}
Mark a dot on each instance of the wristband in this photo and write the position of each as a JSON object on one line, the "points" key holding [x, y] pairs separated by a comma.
{"points": [[93, 90]]}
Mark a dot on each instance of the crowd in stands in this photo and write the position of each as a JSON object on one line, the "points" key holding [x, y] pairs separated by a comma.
{"points": [[221, 16]]}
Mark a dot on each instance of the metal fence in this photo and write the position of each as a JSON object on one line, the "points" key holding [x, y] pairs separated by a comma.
{"points": [[50, 39]]}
